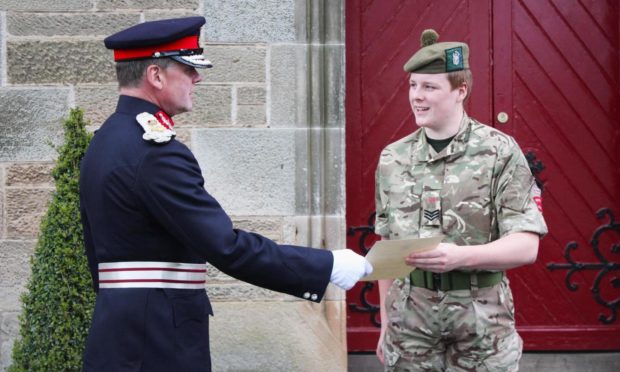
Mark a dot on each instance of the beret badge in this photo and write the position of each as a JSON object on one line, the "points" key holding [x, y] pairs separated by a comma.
{"points": [[157, 129], [454, 59]]}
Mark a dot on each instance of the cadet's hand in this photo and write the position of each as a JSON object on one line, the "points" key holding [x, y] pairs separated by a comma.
{"points": [[445, 257], [379, 350], [348, 268]]}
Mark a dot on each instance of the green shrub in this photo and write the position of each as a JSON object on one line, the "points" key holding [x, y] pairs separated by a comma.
{"points": [[57, 307]]}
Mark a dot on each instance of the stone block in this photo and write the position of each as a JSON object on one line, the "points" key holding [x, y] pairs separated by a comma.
{"points": [[250, 110], [97, 101], [289, 232], [2, 75], [253, 95], [15, 262], [251, 116], [325, 80], [147, 4], [250, 171], [320, 171], [249, 21], [274, 336], [321, 231], [333, 22], [235, 63], [30, 174], [211, 107], [59, 61], [24, 210], [336, 314], [334, 293], [88, 24], [9, 330], [306, 86], [47, 5], [266, 226], [286, 71], [323, 22], [153, 15], [244, 292], [10, 297], [215, 276], [184, 135], [327, 85], [31, 119], [2, 220]]}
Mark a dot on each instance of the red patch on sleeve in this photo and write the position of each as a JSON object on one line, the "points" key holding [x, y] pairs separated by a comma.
{"points": [[538, 201]]}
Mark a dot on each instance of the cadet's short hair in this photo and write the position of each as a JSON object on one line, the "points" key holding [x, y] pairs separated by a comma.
{"points": [[458, 78], [130, 73]]}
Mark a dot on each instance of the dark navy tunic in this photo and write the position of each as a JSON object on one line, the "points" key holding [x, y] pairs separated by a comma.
{"points": [[143, 201]]}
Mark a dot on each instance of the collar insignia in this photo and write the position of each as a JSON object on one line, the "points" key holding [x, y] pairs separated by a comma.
{"points": [[157, 128]]}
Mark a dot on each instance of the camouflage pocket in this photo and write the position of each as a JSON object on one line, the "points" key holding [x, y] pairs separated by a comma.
{"points": [[467, 209], [396, 299], [506, 300], [404, 210], [403, 196], [494, 311], [395, 302]]}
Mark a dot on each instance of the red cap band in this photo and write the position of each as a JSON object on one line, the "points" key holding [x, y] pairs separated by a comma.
{"points": [[188, 42]]}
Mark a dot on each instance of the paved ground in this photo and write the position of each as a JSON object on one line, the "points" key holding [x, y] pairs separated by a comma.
{"points": [[534, 362]]}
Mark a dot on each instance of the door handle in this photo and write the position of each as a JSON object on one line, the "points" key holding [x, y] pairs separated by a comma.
{"points": [[502, 117]]}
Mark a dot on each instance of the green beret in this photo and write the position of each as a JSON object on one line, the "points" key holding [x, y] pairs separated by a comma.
{"points": [[438, 58]]}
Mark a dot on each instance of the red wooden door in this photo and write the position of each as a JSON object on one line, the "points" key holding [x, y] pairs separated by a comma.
{"points": [[553, 68]]}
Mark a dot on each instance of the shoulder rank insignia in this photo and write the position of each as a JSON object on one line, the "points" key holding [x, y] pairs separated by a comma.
{"points": [[157, 128]]}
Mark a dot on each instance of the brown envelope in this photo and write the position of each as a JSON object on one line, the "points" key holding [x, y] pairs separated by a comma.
{"points": [[387, 257]]}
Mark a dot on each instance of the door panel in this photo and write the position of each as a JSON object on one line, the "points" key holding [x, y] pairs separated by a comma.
{"points": [[563, 94]]}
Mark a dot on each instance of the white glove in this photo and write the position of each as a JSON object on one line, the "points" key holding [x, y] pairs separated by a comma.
{"points": [[348, 268]]}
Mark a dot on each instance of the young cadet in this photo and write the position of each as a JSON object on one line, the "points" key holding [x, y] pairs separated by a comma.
{"points": [[470, 183], [150, 226]]}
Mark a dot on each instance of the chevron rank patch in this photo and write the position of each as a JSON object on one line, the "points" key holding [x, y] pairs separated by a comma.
{"points": [[431, 208], [431, 215]]}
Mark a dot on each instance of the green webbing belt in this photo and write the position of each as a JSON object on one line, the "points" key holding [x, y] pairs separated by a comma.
{"points": [[454, 280]]}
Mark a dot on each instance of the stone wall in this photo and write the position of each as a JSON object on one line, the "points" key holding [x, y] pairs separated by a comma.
{"points": [[267, 129]]}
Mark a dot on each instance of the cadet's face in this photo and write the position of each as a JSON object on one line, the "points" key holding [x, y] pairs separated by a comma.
{"points": [[176, 95], [432, 100]]}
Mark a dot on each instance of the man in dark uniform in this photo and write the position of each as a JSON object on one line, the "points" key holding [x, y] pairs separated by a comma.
{"points": [[150, 226]]}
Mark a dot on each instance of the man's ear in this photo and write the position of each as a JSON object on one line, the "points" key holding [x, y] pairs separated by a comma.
{"points": [[154, 76], [463, 90]]}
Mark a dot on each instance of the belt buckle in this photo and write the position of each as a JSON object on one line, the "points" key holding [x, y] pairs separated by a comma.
{"points": [[436, 281]]}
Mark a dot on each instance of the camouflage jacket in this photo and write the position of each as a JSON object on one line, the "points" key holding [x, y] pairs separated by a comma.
{"points": [[476, 190]]}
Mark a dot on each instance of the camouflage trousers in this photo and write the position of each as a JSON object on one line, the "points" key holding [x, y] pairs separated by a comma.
{"points": [[461, 330]]}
